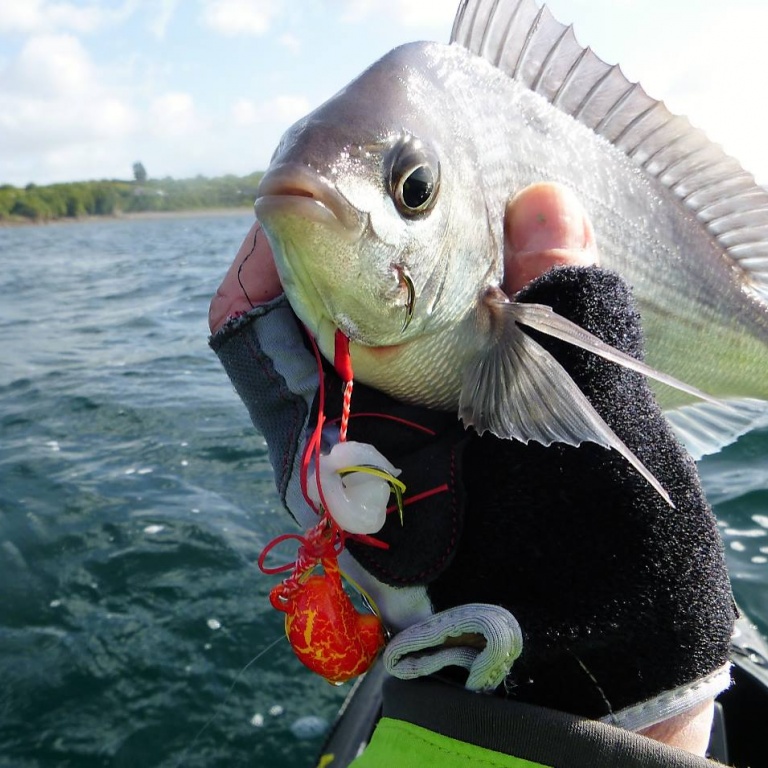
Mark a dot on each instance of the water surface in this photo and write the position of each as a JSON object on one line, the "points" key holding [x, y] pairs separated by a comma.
{"points": [[135, 497]]}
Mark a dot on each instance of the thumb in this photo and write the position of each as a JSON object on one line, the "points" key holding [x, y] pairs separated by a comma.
{"points": [[251, 279], [545, 225]]}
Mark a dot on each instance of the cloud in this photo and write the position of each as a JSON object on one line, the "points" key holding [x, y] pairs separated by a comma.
{"points": [[52, 101], [406, 13], [245, 113], [715, 75], [37, 16], [174, 114], [288, 108], [291, 42], [19, 17], [281, 110], [164, 11], [31, 125], [51, 66], [240, 17]]}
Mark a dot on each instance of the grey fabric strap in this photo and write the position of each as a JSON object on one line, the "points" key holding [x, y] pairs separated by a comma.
{"points": [[436, 643], [532, 733]]}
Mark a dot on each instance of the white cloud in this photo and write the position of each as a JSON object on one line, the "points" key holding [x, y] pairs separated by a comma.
{"points": [[102, 160], [288, 108], [164, 10], [36, 16], [282, 110], [30, 126], [240, 17], [245, 113], [52, 102], [19, 17], [406, 13], [291, 42], [51, 66], [174, 114], [715, 75], [425, 12]]}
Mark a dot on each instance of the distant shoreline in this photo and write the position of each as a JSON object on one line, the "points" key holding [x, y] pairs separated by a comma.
{"points": [[22, 221], [115, 198]]}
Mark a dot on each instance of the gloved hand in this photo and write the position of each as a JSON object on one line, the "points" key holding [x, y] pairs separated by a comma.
{"points": [[620, 598]]}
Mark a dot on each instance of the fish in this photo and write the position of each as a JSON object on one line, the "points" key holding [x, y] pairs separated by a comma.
{"points": [[385, 209]]}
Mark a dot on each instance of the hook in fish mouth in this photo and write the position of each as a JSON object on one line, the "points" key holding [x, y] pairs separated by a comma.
{"points": [[404, 276]]}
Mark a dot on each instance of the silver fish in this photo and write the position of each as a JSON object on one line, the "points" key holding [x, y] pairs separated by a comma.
{"points": [[389, 200]]}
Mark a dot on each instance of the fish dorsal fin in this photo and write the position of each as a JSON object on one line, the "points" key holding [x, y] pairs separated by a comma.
{"points": [[525, 41]]}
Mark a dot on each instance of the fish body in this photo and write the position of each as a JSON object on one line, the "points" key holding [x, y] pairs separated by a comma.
{"points": [[398, 186]]}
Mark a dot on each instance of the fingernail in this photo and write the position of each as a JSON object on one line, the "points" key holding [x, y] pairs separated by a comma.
{"points": [[538, 222]]}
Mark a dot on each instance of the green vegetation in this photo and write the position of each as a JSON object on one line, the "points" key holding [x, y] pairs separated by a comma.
{"points": [[110, 198]]}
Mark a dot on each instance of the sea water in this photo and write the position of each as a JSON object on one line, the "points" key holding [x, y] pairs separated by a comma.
{"points": [[135, 497]]}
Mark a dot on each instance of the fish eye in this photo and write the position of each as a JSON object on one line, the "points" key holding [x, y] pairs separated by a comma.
{"points": [[414, 178]]}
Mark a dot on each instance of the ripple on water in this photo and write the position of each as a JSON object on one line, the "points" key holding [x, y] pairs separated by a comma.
{"points": [[135, 628]]}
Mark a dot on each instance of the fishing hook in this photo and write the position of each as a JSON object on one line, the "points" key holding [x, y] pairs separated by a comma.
{"points": [[404, 276]]}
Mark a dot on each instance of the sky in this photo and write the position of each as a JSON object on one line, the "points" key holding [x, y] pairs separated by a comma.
{"points": [[188, 87]]}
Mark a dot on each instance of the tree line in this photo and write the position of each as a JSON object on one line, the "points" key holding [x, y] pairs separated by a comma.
{"points": [[113, 197]]}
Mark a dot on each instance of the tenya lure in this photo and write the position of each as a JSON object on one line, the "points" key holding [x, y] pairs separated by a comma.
{"points": [[349, 490]]}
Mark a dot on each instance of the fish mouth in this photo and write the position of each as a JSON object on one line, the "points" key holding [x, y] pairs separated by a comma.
{"points": [[298, 190]]}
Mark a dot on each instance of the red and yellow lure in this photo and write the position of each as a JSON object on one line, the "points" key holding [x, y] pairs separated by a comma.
{"points": [[327, 633], [325, 630]]}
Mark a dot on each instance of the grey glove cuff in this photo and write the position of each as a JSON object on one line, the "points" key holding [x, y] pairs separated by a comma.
{"points": [[275, 375], [671, 703]]}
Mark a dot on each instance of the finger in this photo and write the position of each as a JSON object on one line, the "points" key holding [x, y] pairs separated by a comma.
{"points": [[545, 225], [252, 279]]}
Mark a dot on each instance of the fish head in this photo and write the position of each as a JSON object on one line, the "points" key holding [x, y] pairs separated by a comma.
{"points": [[371, 201]]}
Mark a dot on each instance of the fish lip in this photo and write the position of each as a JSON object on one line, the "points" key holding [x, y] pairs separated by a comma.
{"points": [[299, 189]]}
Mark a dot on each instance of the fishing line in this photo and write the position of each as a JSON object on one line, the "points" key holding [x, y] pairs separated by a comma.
{"points": [[237, 679], [242, 264], [346, 407]]}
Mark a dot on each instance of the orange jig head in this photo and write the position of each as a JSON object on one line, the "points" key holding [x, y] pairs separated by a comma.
{"points": [[327, 634]]}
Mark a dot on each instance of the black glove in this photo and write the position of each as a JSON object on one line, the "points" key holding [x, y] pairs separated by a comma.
{"points": [[620, 597]]}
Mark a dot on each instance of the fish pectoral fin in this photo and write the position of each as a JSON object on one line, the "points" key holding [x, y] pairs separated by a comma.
{"points": [[544, 319], [517, 390], [704, 428]]}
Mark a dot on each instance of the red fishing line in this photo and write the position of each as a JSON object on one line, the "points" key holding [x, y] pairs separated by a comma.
{"points": [[342, 362], [346, 406], [390, 417], [326, 632], [420, 497]]}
